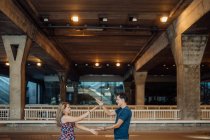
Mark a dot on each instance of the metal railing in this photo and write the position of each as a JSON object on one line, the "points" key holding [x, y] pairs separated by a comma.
{"points": [[133, 107], [48, 112], [4, 114], [205, 114]]}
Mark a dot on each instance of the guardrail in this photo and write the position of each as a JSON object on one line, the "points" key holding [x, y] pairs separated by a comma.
{"points": [[4, 114], [133, 107], [205, 114], [48, 112]]}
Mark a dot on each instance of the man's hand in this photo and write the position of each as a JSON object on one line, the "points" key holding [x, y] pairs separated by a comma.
{"points": [[100, 128], [99, 102]]}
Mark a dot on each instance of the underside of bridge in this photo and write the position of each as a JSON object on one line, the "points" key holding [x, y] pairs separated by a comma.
{"points": [[154, 58]]}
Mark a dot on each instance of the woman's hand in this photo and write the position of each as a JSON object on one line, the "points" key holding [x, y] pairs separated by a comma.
{"points": [[94, 131], [100, 129], [99, 102]]}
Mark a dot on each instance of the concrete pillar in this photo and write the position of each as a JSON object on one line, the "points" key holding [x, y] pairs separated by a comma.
{"points": [[63, 79], [17, 50], [188, 52], [127, 87], [140, 80], [75, 98]]}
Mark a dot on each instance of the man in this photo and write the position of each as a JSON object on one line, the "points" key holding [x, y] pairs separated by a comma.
{"points": [[123, 117]]}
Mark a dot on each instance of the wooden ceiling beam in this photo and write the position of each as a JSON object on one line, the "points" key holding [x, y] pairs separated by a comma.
{"points": [[9, 8]]}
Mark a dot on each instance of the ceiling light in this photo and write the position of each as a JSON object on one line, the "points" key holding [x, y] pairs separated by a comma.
{"points": [[164, 65], [129, 65], [107, 65], [117, 64], [97, 64], [164, 19], [103, 19], [7, 63], [133, 19], [39, 64], [86, 65], [75, 65], [45, 19], [75, 18]]}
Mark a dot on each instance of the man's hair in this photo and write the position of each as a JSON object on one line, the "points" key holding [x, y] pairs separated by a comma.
{"points": [[123, 96]]}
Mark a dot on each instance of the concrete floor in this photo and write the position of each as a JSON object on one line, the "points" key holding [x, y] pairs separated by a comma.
{"points": [[108, 136]]}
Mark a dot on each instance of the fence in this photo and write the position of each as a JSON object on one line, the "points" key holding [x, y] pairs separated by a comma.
{"points": [[48, 112]]}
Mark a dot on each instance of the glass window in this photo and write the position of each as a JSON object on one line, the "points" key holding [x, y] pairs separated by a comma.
{"points": [[4, 90], [105, 91]]}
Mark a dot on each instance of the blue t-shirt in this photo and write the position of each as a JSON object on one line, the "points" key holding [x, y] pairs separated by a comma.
{"points": [[125, 115]]}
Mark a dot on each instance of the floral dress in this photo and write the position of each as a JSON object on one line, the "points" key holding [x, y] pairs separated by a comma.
{"points": [[67, 131]]}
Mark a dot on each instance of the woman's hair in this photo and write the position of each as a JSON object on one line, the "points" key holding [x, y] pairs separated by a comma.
{"points": [[59, 113]]}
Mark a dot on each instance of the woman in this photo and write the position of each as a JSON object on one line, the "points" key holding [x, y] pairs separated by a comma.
{"points": [[67, 122]]}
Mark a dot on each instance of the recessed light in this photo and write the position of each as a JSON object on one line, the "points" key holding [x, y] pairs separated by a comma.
{"points": [[97, 64], [39, 64], [103, 19], [164, 65], [86, 64], [75, 65], [45, 19], [164, 19], [107, 65], [117, 64], [133, 19], [75, 18], [7, 63]]}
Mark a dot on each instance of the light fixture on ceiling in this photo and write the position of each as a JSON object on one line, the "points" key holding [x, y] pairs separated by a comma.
{"points": [[39, 64], [103, 19], [7, 63], [107, 65], [118, 64], [97, 64], [75, 18], [86, 64], [164, 19], [45, 19], [133, 19]]}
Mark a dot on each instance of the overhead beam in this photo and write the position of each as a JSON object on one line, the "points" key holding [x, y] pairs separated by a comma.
{"points": [[9, 8], [71, 32], [161, 43], [189, 16]]}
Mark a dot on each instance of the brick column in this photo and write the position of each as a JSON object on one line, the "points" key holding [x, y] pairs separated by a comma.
{"points": [[140, 80], [17, 50], [188, 52]]}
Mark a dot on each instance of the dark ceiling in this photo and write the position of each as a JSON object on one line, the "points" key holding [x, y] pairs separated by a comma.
{"points": [[91, 40]]}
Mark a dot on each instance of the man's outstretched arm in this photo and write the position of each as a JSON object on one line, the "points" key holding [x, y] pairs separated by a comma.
{"points": [[117, 125], [110, 113]]}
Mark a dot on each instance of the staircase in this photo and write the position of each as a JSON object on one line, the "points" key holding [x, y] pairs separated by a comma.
{"points": [[4, 90]]}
